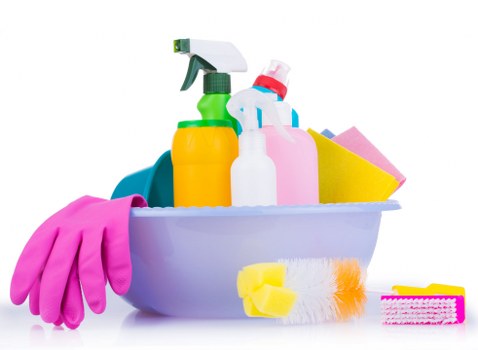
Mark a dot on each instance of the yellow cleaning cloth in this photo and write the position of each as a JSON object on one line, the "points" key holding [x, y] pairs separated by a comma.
{"points": [[346, 177]]}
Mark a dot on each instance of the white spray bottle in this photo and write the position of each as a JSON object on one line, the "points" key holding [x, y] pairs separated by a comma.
{"points": [[253, 173]]}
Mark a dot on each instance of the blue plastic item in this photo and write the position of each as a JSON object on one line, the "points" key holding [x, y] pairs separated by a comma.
{"points": [[185, 260], [155, 183], [327, 133]]}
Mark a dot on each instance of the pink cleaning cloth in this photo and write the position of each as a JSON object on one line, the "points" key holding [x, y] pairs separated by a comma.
{"points": [[353, 140]]}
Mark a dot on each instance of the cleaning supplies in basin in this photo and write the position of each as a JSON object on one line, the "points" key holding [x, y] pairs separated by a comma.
{"points": [[203, 150], [177, 262], [253, 173]]}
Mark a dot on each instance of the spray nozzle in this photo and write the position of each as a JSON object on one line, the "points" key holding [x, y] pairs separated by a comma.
{"points": [[243, 106], [211, 57]]}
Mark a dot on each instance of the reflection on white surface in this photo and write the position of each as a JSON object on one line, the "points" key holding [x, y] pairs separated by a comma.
{"points": [[126, 328], [57, 336]]}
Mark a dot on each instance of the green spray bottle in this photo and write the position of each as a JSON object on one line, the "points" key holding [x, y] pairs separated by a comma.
{"points": [[204, 150], [217, 59]]}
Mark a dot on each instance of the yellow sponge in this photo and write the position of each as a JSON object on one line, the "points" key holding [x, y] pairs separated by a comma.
{"points": [[274, 301], [251, 310], [261, 286], [347, 177], [254, 276]]}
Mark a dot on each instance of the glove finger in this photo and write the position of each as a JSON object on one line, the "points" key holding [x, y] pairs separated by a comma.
{"points": [[58, 321], [34, 298], [116, 243], [55, 275], [72, 325], [117, 259], [72, 308], [31, 263], [91, 271]]}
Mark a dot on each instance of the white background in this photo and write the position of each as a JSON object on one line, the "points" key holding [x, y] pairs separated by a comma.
{"points": [[89, 92]]}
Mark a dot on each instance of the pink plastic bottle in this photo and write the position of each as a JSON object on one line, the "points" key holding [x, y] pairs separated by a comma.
{"points": [[296, 162]]}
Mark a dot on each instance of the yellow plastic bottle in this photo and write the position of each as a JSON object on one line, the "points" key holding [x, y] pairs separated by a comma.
{"points": [[202, 154]]}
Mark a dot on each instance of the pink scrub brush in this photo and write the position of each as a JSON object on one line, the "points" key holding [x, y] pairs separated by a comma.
{"points": [[422, 309], [436, 304]]}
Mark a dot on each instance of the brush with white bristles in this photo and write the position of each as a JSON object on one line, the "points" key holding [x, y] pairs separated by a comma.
{"points": [[301, 291]]}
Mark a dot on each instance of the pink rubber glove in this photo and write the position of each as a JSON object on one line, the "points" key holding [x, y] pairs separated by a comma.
{"points": [[85, 242]]}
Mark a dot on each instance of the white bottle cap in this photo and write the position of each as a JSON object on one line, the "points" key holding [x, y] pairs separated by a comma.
{"points": [[277, 70]]}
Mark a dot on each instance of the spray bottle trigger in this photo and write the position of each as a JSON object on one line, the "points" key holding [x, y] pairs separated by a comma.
{"points": [[196, 63], [243, 105]]}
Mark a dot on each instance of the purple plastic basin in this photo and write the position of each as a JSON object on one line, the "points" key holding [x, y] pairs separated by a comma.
{"points": [[186, 260]]}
